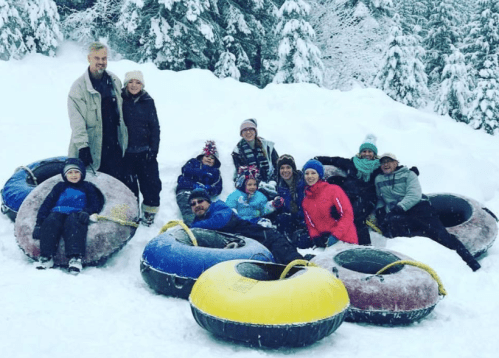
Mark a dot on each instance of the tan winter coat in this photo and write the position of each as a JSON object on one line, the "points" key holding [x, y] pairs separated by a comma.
{"points": [[85, 118]]}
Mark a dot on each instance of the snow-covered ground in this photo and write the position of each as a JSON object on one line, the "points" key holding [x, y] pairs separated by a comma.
{"points": [[110, 311]]}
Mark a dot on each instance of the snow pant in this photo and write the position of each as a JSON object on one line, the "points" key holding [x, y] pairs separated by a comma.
{"points": [[272, 239], [423, 220], [361, 210], [144, 174], [111, 161], [72, 231], [185, 206]]}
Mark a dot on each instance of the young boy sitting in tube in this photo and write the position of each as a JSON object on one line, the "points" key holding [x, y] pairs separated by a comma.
{"points": [[65, 213], [218, 216]]}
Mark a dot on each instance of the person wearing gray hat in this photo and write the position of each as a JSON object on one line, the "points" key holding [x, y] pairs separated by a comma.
{"points": [[403, 210]]}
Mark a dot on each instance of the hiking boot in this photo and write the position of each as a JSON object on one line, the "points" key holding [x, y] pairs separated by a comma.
{"points": [[44, 263], [75, 266], [148, 219]]}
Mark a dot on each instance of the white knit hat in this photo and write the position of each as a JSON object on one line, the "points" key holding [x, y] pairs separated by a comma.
{"points": [[369, 143], [134, 75]]}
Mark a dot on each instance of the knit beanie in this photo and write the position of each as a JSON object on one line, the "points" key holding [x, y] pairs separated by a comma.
{"points": [[315, 165], [248, 123], [76, 164], [286, 159], [134, 75], [369, 143], [199, 193]]}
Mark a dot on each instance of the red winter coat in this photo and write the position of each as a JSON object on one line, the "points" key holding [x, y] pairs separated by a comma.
{"points": [[319, 198]]}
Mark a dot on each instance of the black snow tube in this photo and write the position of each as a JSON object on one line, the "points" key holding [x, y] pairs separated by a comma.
{"points": [[401, 295], [104, 237], [473, 224]]}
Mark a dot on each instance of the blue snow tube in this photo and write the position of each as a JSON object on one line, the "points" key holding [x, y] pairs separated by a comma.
{"points": [[171, 263], [25, 179]]}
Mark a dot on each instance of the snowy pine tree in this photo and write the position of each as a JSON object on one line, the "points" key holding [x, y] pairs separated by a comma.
{"points": [[401, 75], [11, 24], [482, 50], [43, 35], [454, 92], [299, 58], [226, 65], [442, 36]]}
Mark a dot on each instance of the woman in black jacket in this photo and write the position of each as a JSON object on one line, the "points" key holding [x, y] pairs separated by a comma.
{"points": [[359, 183], [141, 119]]}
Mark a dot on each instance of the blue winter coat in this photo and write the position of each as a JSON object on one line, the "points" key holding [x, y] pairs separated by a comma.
{"points": [[216, 218], [256, 207], [197, 175]]}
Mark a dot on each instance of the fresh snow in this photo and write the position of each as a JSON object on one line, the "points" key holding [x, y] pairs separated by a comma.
{"points": [[110, 311]]}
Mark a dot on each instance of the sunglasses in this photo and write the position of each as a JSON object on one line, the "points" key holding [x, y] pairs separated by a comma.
{"points": [[197, 202]]}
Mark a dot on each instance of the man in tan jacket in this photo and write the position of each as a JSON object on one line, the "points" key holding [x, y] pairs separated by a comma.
{"points": [[99, 136]]}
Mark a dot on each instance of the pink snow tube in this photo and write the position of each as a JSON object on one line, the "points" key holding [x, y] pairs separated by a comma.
{"points": [[104, 237]]}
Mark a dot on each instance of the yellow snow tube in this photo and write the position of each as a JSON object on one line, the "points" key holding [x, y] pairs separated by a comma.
{"points": [[249, 301]]}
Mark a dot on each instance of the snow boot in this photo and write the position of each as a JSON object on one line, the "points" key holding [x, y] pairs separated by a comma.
{"points": [[147, 219], [75, 266], [44, 263]]}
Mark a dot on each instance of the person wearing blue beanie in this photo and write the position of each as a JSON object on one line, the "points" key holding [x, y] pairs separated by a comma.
{"points": [[316, 165]]}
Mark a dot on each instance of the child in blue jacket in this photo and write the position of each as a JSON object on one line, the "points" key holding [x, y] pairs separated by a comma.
{"points": [[65, 213], [248, 202], [201, 172]]}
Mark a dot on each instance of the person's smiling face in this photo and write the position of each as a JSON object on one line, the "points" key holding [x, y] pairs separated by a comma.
{"points": [[311, 176]]}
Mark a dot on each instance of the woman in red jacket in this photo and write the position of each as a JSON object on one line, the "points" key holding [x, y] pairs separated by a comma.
{"points": [[327, 209]]}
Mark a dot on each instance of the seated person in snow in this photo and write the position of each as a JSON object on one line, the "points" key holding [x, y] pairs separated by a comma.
{"points": [[248, 202], [218, 216], [327, 209], [200, 172], [402, 209], [257, 151], [289, 218], [359, 183], [65, 212]]}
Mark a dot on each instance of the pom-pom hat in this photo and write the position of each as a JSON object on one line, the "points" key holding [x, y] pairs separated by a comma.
{"points": [[210, 148], [369, 143], [315, 165]]}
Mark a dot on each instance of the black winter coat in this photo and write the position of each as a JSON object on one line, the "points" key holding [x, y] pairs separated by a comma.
{"points": [[141, 119]]}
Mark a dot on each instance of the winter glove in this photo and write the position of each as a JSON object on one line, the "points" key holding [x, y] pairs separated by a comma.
{"points": [[415, 170], [270, 186], [334, 213], [37, 232], [397, 210], [83, 217], [85, 156], [151, 155], [321, 241], [264, 222], [278, 202]]}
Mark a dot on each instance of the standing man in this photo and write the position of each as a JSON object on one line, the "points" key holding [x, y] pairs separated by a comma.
{"points": [[218, 216], [99, 136]]}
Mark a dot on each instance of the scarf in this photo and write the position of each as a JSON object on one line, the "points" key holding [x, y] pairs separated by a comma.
{"points": [[255, 157], [365, 167]]}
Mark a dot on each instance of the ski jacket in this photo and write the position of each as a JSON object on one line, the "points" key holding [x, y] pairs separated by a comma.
{"points": [[266, 166], [85, 118], [197, 175], [401, 187], [217, 217], [256, 207], [141, 119], [317, 204]]}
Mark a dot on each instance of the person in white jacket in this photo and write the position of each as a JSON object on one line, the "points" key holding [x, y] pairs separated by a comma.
{"points": [[99, 136]]}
